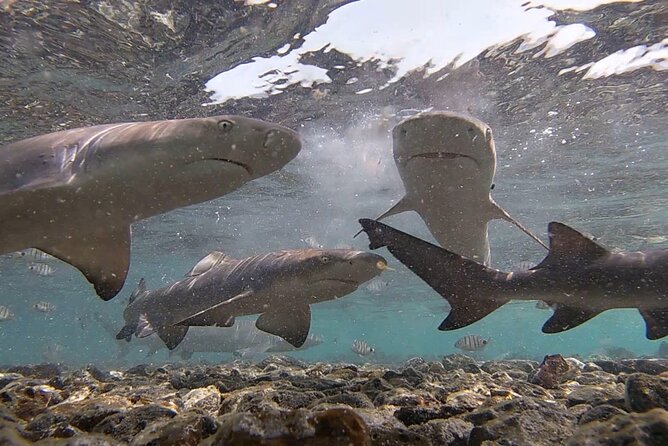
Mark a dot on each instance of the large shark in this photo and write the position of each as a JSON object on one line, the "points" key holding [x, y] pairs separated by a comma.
{"points": [[579, 279], [447, 163], [75, 193], [280, 286], [241, 339]]}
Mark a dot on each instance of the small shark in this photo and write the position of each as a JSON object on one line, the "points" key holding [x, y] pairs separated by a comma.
{"points": [[578, 279], [241, 339], [74, 194], [280, 286], [447, 163]]}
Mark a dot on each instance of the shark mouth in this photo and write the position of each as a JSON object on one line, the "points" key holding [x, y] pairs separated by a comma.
{"points": [[442, 156], [246, 167]]}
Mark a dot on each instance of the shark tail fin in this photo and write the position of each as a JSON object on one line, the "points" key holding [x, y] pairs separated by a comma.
{"points": [[401, 206], [502, 214], [457, 279]]}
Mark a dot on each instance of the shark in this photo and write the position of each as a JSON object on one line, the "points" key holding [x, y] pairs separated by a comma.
{"points": [[579, 279], [447, 163], [241, 339], [280, 286], [75, 193]]}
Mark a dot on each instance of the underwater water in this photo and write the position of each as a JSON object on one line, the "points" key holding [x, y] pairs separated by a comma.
{"points": [[578, 110]]}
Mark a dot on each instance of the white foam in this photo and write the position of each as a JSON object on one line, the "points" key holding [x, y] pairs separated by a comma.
{"points": [[576, 5], [407, 36], [624, 61]]}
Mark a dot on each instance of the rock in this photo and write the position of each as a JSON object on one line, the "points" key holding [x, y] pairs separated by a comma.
{"points": [[640, 429], [600, 413], [42, 371], [356, 400], [649, 366], [404, 397], [452, 432], [205, 400], [10, 435], [645, 392], [509, 366], [49, 425], [6, 378], [596, 395], [179, 431], [419, 415], [552, 371], [141, 370], [458, 361], [27, 401], [375, 386], [90, 415], [336, 426], [518, 420], [282, 362], [124, 426]]}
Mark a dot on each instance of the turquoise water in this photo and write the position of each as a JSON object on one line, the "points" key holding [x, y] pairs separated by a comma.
{"points": [[602, 173]]}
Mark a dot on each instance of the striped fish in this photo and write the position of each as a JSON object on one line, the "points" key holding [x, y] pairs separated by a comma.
{"points": [[34, 254], [5, 313], [362, 348], [471, 343], [44, 307], [41, 269]]}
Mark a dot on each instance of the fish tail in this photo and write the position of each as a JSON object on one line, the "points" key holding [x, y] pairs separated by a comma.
{"points": [[457, 279]]}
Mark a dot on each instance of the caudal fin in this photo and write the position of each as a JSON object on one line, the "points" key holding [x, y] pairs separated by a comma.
{"points": [[459, 280]]}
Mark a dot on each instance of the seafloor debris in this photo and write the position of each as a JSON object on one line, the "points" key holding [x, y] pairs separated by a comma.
{"points": [[281, 401]]}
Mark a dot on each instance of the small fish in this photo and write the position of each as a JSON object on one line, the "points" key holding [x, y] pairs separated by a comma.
{"points": [[377, 286], [41, 269], [44, 307], [362, 348], [542, 305], [31, 254], [524, 265], [312, 242], [5, 313], [471, 343]]}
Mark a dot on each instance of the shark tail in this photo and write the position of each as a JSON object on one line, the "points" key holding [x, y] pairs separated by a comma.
{"points": [[457, 279]]}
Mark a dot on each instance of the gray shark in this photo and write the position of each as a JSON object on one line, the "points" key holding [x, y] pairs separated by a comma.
{"points": [[280, 286], [241, 339], [74, 194], [447, 163], [578, 279]]}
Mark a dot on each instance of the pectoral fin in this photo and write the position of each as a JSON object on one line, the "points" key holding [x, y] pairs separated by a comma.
{"points": [[656, 322], [172, 336], [103, 257], [500, 213], [565, 318], [291, 323]]}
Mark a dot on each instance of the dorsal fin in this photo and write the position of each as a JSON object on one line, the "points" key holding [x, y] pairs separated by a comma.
{"points": [[570, 246], [211, 260], [141, 289]]}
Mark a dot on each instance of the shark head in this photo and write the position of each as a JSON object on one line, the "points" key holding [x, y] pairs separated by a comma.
{"points": [[179, 162], [451, 144], [326, 274]]}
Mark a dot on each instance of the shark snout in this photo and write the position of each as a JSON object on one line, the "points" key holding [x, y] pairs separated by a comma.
{"points": [[283, 141], [373, 261]]}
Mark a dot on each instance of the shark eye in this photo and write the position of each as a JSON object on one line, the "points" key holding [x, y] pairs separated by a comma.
{"points": [[324, 259], [225, 125]]}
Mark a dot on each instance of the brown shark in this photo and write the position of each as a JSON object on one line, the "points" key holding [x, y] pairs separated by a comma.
{"points": [[447, 163], [74, 194], [578, 278], [279, 286]]}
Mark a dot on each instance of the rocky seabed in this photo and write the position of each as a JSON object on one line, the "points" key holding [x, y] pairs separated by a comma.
{"points": [[283, 401]]}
